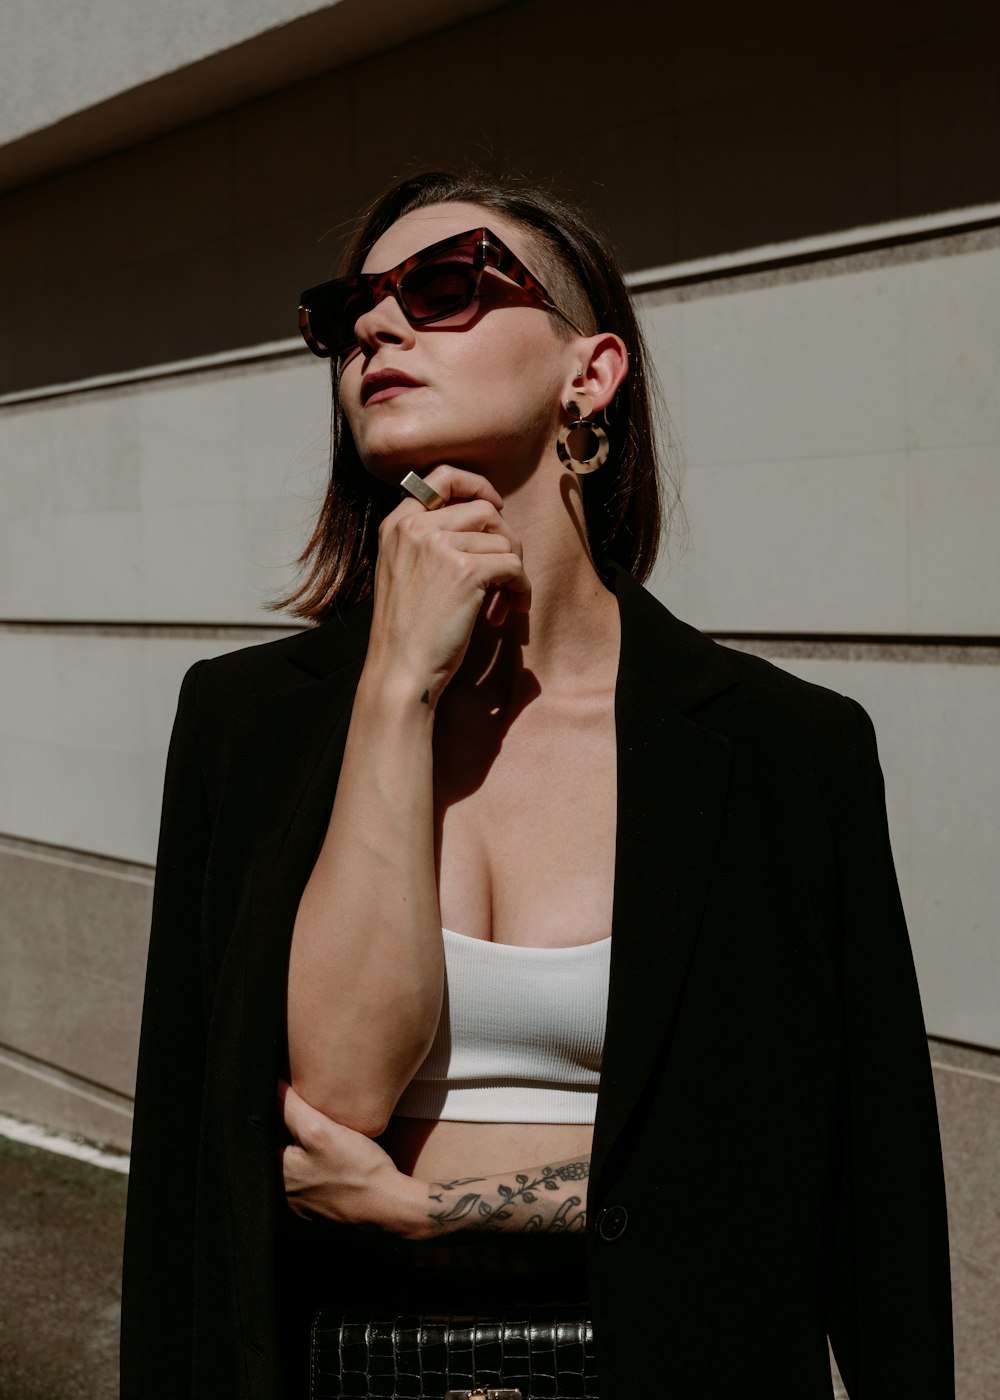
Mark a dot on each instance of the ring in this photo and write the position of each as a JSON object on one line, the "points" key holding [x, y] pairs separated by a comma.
{"points": [[417, 487]]}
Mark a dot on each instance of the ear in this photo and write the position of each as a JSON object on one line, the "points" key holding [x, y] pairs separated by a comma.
{"points": [[602, 364]]}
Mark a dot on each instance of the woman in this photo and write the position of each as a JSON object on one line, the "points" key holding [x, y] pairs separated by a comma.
{"points": [[403, 852]]}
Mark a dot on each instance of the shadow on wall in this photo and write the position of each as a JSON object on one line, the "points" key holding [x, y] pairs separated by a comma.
{"points": [[689, 130]]}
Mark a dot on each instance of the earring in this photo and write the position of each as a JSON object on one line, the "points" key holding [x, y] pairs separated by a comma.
{"points": [[582, 419]]}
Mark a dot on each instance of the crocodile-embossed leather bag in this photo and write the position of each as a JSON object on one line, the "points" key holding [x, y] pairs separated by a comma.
{"points": [[530, 1353]]}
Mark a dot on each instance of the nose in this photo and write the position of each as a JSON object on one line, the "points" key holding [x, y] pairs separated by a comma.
{"points": [[383, 324]]}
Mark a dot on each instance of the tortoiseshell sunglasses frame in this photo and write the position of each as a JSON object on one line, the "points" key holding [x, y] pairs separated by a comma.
{"points": [[489, 252]]}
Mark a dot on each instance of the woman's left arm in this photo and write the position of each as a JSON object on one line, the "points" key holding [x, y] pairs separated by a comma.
{"points": [[335, 1173]]}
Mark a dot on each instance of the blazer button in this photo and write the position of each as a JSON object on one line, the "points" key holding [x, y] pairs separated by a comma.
{"points": [[611, 1222]]}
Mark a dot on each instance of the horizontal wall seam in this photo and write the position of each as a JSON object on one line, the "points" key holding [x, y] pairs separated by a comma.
{"points": [[857, 243], [59, 1078], [93, 862], [77, 865], [891, 646], [196, 364], [764, 257], [969, 1073], [201, 631], [913, 649]]}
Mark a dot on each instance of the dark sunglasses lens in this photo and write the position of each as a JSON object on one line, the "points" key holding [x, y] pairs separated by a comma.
{"points": [[435, 289], [333, 313]]}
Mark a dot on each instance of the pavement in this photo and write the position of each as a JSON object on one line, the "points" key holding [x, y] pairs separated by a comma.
{"points": [[60, 1276]]}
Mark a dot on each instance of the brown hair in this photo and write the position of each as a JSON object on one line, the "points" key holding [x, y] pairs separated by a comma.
{"points": [[622, 501]]}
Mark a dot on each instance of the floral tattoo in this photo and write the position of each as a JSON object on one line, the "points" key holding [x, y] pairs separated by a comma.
{"points": [[537, 1201]]}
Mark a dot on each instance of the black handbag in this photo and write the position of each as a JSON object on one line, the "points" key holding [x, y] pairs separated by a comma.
{"points": [[531, 1353]]}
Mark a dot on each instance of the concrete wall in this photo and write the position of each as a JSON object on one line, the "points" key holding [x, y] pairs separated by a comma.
{"points": [[79, 80], [179, 499], [843, 478], [720, 128], [833, 398], [127, 43], [859, 395]]}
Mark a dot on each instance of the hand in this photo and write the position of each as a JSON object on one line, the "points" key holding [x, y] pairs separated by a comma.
{"points": [[338, 1174], [434, 571]]}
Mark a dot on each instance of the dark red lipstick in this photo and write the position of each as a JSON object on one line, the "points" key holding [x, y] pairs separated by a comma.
{"points": [[380, 381]]}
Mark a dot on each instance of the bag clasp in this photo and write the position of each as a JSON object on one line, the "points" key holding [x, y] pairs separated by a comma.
{"points": [[482, 1392]]}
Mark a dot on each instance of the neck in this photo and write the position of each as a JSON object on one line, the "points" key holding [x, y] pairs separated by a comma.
{"points": [[571, 634]]}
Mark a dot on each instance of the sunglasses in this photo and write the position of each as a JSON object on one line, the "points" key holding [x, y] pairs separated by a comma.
{"points": [[433, 285]]}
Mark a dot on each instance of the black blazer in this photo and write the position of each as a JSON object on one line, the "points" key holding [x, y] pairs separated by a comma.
{"points": [[766, 1167]]}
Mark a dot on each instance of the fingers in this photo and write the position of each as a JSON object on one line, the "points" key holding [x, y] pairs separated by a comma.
{"points": [[469, 527], [487, 542], [302, 1120], [506, 571], [454, 483], [490, 569], [496, 609], [473, 504], [458, 518], [437, 572], [291, 1107]]}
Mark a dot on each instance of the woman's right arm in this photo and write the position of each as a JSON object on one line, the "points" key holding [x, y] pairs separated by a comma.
{"points": [[366, 963]]}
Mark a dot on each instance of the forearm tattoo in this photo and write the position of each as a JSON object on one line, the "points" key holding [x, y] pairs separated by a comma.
{"points": [[548, 1200]]}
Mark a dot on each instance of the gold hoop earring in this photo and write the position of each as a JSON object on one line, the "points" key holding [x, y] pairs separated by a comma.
{"points": [[582, 419]]}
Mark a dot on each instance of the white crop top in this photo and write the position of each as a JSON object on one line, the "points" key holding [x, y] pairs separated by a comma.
{"points": [[520, 1037]]}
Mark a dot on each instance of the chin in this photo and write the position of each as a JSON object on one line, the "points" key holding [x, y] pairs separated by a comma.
{"points": [[391, 459], [389, 473], [391, 463]]}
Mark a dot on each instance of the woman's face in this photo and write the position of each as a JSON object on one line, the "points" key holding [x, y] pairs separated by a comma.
{"points": [[487, 390]]}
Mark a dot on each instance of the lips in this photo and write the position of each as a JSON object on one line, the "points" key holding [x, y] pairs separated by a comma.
{"points": [[381, 380]]}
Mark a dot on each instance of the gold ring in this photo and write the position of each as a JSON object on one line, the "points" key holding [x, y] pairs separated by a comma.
{"points": [[417, 487]]}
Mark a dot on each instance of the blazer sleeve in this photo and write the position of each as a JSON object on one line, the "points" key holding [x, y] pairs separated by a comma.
{"points": [[158, 1265], [890, 1307]]}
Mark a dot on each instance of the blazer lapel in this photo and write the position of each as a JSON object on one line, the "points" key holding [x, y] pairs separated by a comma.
{"points": [[672, 776]]}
